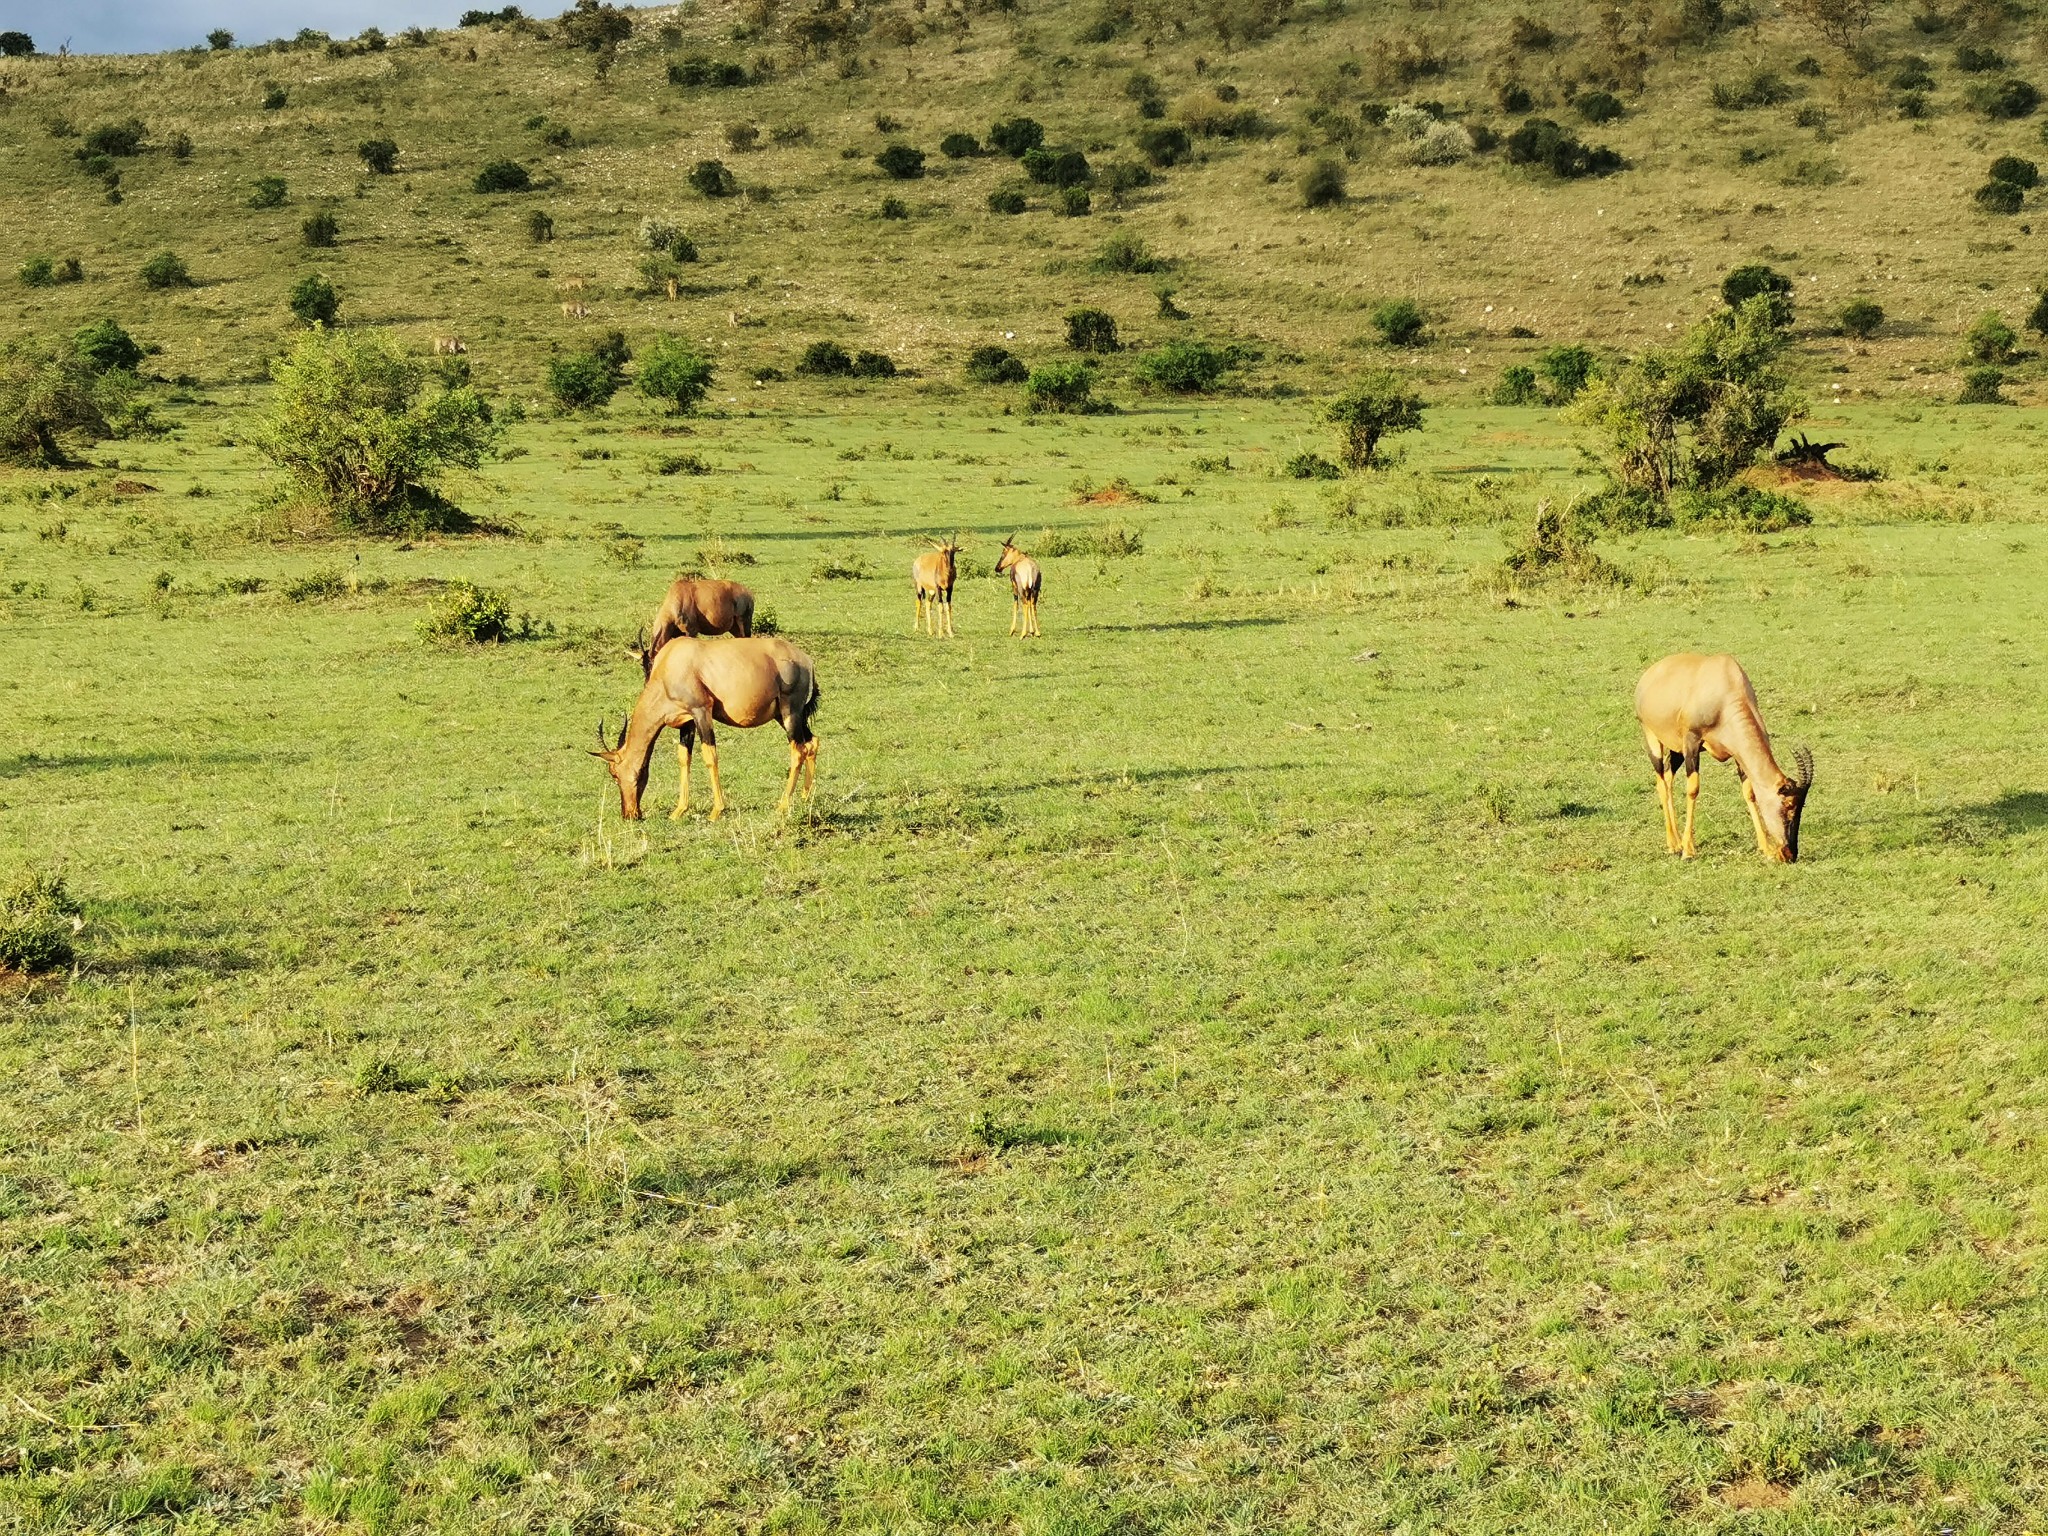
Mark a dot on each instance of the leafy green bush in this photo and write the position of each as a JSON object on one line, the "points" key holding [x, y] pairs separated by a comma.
{"points": [[1861, 318], [713, 179], [1073, 202], [37, 272], [1597, 107], [1989, 339], [1006, 200], [165, 270], [1057, 167], [2021, 173], [1183, 367], [894, 208], [1379, 404], [2005, 100], [16, 45], [1745, 507], [274, 97], [540, 227], [1746, 282], [995, 365], [379, 155], [314, 300], [1972, 60], [354, 431], [1323, 184], [1913, 74], [502, 176], [105, 347], [582, 381], [959, 146], [695, 70], [322, 231], [1312, 466], [679, 464], [122, 138], [48, 396], [1541, 143], [38, 921], [1758, 88], [1125, 252], [1091, 330], [267, 192], [1982, 386], [1063, 387], [2000, 197], [873, 365], [1517, 386], [2037, 318], [1017, 136], [1165, 144], [901, 162], [825, 360], [1400, 322], [674, 371], [473, 615]]}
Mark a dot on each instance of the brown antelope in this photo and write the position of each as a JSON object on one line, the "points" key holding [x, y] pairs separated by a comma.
{"points": [[575, 311], [573, 285], [1686, 702], [697, 605], [449, 346], [695, 685], [931, 580], [1025, 579]]}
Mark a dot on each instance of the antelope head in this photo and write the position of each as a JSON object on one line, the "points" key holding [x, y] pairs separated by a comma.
{"points": [[639, 652], [1792, 802], [629, 776], [1008, 555]]}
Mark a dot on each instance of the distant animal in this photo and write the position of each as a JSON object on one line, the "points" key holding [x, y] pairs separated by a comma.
{"points": [[575, 311], [1687, 702], [696, 685], [572, 285], [449, 346], [931, 580], [1025, 579], [694, 606]]}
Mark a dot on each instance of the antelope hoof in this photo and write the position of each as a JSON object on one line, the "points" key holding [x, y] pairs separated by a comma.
{"points": [[679, 813]]}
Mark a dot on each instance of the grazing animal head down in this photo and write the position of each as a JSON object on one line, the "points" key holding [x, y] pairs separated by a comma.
{"points": [[631, 779], [1792, 802]]}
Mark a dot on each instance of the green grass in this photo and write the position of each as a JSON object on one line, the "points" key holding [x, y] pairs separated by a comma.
{"points": [[1243, 1062]]}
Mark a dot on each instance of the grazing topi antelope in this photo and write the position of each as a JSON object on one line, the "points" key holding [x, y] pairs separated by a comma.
{"points": [[1025, 580], [694, 683], [1687, 702], [575, 311], [449, 346], [931, 579], [697, 605]]}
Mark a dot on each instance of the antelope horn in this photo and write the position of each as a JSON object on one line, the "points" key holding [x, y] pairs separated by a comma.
{"points": [[624, 722], [603, 747], [1802, 761]]}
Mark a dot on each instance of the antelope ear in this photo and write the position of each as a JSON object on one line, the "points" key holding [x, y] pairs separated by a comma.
{"points": [[605, 755]]}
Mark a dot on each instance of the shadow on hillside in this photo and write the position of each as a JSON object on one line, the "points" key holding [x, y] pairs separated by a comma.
{"points": [[74, 762], [2013, 814], [1146, 776], [1174, 624]]}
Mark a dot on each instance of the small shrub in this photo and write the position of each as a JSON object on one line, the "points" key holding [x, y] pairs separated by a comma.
{"points": [[995, 365], [1982, 386], [105, 347], [1556, 545], [274, 97], [314, 300], [379, 155], [1913, 105], [1541, 143], [1017, 136], [1073, 202], [1006, 200], [267, 192], [1313, 466], [1528, 35], [2037, 318], [1861, 318], [1062, 387], [473, 615], [1989, 339], [1999, 197], [1745, 282], [540, 227], [557, 135], [1165, 144], [678, 464], [894, 208], [698, 70], [1091, 330], [959, 146], [840, 568], [502, 176], [1972, 60], [1744, 507], [1597, 107], [37, 272], [873, 365], [1758, 88], [2021, 173], [220, 40], [1378, 405], [166, 269], [1400, 322], [824, 360], [713, 179], [38, 922], [2006, 100], [901, 162], [123, 138], [1513, 97], [1517, 386], [1913, 74], [1124, 252], [1183, 367], [322, 231], [676, 373], [1323, 184], [1057, 168], [582, 381]]}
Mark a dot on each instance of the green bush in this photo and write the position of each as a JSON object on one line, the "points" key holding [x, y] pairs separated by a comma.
{"points": [[1312, 466], [2005, 100], [695, 70], [675, 372], [995, 365], [1981, 386], [1758, 88], [2037, 318], [582, 381], [1913, 74], [1517, 386], [314, 300], [1017, 136], [1999, 197], [502, 176], [540, 227], [1062, 387], [49, 395], [38, 921], [1979, 61], [713, 179], [353, 429], [1746, 282], [959, 146], [1400, 322], [322, 231], [38, 272], [1861, 318], [380, 155], [2021, 173], [1073, 202], [1378, 405], [165, 270], [1124, 252], [1006, 200], [825, 360], [16, 45], [1541, 143], [106, 348], [122, 138], [473, 615], [1989, 339], [901, 162], [873, 365], [1597, 107], [1057, 167], [1091, 330], [894, 208], [274, 96], [1743, 507], [1183, 367], [267, 192], [1323, 184]]}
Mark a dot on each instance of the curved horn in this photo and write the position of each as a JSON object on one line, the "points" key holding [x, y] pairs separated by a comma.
{"points": [[1802, 762], [601, 739], [624, 721]]}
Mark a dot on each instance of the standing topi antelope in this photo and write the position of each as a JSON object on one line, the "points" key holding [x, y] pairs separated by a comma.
{"points": [[449, 346], [1686, 702], [694, 606], [1025, 580], [696, 683], [931, 579]]}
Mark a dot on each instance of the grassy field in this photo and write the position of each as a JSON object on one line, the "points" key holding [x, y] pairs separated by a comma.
{"points": [[1241, 1063]]}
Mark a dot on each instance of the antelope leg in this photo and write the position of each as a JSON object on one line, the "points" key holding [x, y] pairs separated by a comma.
{"points": [[717, 794], [1692, 798], [1670, 817], [1016, 609], [810, 767], [683, 801], [796, 760]]}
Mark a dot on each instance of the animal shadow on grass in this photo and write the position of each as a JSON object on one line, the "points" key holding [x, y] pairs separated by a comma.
{"points": [[1000, 1136], [75, 762], [2013, 814], [721, 1180], [1164, 625], [148, 941]]}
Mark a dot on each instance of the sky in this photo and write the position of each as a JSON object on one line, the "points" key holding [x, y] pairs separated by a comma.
{"points": [[150, 26]]}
